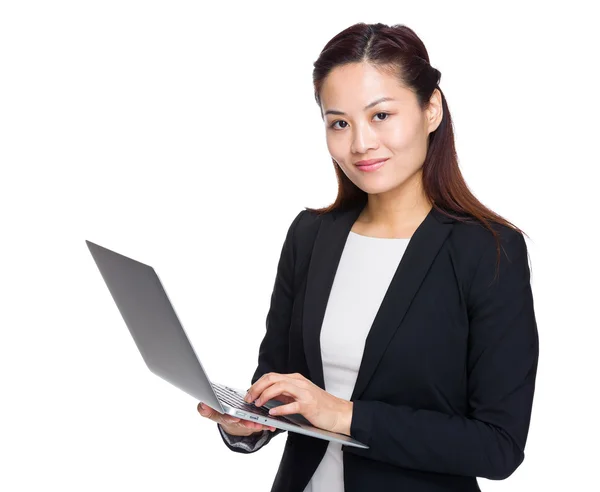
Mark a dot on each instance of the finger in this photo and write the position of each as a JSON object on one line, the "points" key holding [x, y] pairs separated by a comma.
{"points": [[284, 399], [284, 391], [288, 409], [286, 388], [205, 410], [251, 425], [225, 418], [228, 419], [264, 382], [255, 426], [218, 417], [297, 376], [255, 390]]}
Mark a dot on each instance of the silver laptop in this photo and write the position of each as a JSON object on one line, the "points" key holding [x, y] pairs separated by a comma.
{"points": [[168, 353]]}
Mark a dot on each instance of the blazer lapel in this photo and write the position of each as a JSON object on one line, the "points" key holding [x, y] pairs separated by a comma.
{"points": [[327, 251]]}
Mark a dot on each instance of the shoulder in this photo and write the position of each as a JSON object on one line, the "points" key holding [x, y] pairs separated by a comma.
{"points": [[476, 249], [302, 228], [475, 238], [306, 224]]}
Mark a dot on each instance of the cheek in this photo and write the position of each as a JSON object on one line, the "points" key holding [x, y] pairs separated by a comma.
{"points": [[399, 137], [335, 146], [339, 150]]}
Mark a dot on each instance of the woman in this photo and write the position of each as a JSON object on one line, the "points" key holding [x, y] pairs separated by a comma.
{"points": [[402, 315]]}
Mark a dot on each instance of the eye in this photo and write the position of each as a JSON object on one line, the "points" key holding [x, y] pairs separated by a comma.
{"points": [[342, 121]]}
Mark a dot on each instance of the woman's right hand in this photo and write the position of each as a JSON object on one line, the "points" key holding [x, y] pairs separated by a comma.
{"points": [[230, 424]]}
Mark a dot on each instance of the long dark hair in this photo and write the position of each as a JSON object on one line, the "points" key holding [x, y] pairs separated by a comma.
{"points": [[399, 50]]}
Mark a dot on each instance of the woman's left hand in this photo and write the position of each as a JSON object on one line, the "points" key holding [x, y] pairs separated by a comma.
{"points": [[302, 396]]}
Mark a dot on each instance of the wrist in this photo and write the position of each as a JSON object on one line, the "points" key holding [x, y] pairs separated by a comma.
{"points": [[345, 420]]}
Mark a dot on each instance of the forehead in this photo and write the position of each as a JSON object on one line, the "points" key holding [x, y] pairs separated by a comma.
{"points": [[358, 84]]}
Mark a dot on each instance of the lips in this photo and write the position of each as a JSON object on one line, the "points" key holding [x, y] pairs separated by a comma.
{"points": [[372, 167], [370, 162]]}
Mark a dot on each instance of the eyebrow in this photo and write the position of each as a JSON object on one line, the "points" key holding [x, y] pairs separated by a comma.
{"points": [[370, 105]]}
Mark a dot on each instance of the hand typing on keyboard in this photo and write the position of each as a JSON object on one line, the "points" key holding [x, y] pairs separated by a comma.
{"points": [[302, 396]]}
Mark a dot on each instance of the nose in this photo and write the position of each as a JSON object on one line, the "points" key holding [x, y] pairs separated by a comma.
{"points": [[363, 139]]}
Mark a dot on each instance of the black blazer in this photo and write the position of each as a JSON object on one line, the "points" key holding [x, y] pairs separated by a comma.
{"points": [[445, 387]]}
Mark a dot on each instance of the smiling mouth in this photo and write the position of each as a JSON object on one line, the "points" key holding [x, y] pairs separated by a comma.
{"points": [[371, 167], [368, 162]]}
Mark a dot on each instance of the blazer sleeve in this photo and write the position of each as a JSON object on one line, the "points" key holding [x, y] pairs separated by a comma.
{"points": [[245, 444], [273, 350], [489, 441]]}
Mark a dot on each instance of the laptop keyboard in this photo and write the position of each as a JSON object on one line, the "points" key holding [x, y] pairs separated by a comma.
{"points": [[233, 399]]}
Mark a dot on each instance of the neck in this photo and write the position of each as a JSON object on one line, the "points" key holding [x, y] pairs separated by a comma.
{"points": [[397, 209]]}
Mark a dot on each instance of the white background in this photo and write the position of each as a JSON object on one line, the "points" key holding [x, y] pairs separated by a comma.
{"points": [[185, 135]]}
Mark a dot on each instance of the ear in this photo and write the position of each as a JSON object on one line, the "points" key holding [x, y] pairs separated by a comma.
{"points": [[434, 111]]}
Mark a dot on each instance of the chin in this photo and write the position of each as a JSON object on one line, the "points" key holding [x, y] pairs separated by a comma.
{"points": [[377, 190], [375, 187]]}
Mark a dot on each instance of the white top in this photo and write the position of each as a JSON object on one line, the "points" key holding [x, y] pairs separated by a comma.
{"points": [[365, 271]]}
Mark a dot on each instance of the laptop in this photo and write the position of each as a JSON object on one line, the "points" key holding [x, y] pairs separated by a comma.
{"points": [[168, 353]]}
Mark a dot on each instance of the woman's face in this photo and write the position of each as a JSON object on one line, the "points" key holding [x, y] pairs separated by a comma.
{"points": [[396, 129]]}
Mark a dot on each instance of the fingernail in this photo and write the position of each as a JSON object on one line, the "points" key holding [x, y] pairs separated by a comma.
{"points": [[248, 397]]}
